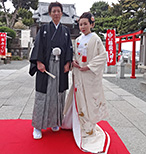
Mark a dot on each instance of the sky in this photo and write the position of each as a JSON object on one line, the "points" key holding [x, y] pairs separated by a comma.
{"points": [[84, 6], [81, 5]]}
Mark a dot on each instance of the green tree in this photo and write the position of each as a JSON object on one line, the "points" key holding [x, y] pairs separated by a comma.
{"points": [[26, 16], [27, 4], [125, 16], [6, 12], [133, 15], [10, 32], [99, 29], [2, 19], [141, 15], [115, 10], [100, 9], [106, 17]]}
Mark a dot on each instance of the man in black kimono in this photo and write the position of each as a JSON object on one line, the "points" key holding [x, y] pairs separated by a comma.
{"points": [[50, 93]]}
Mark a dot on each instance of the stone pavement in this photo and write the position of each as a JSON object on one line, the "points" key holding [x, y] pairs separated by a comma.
{"points": [[127, 113]]}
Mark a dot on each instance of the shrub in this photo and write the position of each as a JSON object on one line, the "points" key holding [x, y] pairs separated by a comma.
{"points": [[10, 32], [16, 58]]}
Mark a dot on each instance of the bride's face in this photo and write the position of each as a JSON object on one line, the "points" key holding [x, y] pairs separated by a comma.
{"points": [[85, 26]]}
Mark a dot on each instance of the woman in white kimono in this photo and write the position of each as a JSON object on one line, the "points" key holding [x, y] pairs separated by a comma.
{"points": [[85, 104]]}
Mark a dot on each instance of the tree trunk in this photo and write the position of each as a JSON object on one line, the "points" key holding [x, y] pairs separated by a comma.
{"points": [[6, 16], [13, 19]]}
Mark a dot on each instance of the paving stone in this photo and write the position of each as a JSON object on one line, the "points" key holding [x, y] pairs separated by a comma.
{"points": [[2, 101], [32, 96], [16, 101], [12, 85], [26, 116], [105, 88], [121, 92], [127, 113], [138, 103], [136, 117], [11, 77], [29, 107], [6, 93], [10, 112], [109, 84], [109, 95], [115, 118], [133, 139]]}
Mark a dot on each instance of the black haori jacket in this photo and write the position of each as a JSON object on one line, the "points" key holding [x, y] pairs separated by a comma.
{"points": [[47, 39]]}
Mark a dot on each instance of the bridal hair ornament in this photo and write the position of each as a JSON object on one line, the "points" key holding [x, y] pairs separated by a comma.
{"points": [[92, 19]]}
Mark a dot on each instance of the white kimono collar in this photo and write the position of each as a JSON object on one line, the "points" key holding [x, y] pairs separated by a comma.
{"points": [[56, 26]]}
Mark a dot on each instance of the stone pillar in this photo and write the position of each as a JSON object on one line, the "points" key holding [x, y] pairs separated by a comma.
{"points": [[143, 83], [144, 56]]}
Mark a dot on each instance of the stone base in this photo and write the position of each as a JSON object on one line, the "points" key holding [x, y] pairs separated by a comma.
{"points": [[144, 76], [143, 86], [142, 68]]}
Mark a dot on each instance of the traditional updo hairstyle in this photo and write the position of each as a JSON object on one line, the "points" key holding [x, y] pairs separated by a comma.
{"points": [[55, 4], [89, 16]]}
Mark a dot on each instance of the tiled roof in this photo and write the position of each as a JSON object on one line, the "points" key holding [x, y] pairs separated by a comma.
{"points": [[69, 13]]}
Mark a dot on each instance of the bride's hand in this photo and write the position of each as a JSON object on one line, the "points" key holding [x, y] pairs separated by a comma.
{"points": [[75, 64], [86, 68]]}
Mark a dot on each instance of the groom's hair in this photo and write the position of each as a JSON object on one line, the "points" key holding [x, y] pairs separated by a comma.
{"points": [[55, 4]]}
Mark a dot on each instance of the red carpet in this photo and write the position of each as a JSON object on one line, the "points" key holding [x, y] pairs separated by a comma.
{"points": [[16, 138]]}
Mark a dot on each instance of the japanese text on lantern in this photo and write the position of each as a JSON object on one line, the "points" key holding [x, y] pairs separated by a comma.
{"points": [[111, 47], [3, 44]]}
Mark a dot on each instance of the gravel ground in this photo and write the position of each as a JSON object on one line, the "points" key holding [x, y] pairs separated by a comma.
{"points": [[128, 84]]}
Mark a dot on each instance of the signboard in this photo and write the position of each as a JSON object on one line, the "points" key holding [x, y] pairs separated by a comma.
{"points": [[111, 47], [25, 38], [3, 44]]}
